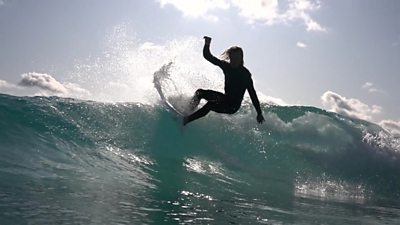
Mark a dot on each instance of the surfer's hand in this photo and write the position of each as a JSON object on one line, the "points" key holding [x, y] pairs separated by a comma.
{"points": [[207, 40], [260, 118]]}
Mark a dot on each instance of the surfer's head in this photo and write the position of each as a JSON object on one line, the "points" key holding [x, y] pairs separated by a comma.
{"points": [[234, 55]]}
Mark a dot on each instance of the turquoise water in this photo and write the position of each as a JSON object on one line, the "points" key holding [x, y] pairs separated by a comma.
{"points": [[68, 161]]}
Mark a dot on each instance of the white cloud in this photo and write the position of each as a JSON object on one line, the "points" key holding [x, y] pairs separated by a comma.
{"points": [[4, 84], [349, 106], [301, 45], [43, 81], [8, 88], [258, 10], [269, 12], [299, 10], [391, 126], [198, 8], [76, 89], [370, 87], [367, 85], [49, 85]]}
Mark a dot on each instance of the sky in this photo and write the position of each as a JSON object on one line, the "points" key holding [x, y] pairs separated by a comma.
{"points": [[340, 55]]}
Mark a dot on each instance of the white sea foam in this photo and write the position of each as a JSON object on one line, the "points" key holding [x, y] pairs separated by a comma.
{"points": [[124, 72], [331, 189]]}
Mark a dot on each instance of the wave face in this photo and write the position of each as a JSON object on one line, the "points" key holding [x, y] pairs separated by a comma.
{"points": [[68, 161]]}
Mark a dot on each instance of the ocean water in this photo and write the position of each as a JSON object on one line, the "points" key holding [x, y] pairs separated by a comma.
{"points": [[71, 161]]}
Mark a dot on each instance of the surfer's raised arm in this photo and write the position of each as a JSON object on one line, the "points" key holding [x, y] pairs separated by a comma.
{"points": [[254, 100], [207, 54]]}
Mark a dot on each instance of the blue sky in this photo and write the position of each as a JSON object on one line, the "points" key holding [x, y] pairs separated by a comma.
{"points": [[339, 55]]}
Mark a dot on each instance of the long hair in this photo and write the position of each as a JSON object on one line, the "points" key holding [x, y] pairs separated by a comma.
{"points": [[227, 53]]}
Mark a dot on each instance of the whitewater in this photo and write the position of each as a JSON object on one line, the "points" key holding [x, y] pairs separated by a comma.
{"points": [[120, 157]]}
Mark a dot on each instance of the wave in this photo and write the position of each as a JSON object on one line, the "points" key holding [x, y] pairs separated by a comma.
{"points": [[297, 138], [89, 149]]}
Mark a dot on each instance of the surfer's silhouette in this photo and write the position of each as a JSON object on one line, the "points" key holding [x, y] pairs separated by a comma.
{"points": [[237, 81]]}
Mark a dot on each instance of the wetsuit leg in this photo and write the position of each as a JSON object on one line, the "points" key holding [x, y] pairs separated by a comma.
{"points": [[217, 102], [198, 114], [209, 95], [195, 100], [219, 107]]}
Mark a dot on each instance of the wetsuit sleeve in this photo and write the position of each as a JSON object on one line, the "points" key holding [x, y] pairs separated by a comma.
{"points": [[212, 59], [253, 96]]}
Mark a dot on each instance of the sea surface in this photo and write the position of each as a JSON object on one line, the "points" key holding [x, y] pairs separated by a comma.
{"points": [[71, 161]]}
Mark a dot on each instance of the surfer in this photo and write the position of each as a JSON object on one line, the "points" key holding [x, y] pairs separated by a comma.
{"points": [[237, 81]]}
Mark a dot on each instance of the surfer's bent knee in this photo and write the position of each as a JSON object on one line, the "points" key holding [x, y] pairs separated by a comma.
{"points": [[199, 91]]}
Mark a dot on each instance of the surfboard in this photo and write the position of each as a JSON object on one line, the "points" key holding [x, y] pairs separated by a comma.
{"points": [[158, 78], [172, 109]]}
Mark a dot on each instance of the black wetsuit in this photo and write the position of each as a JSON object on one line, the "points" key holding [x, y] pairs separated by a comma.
{"points": [[237, 80]]}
